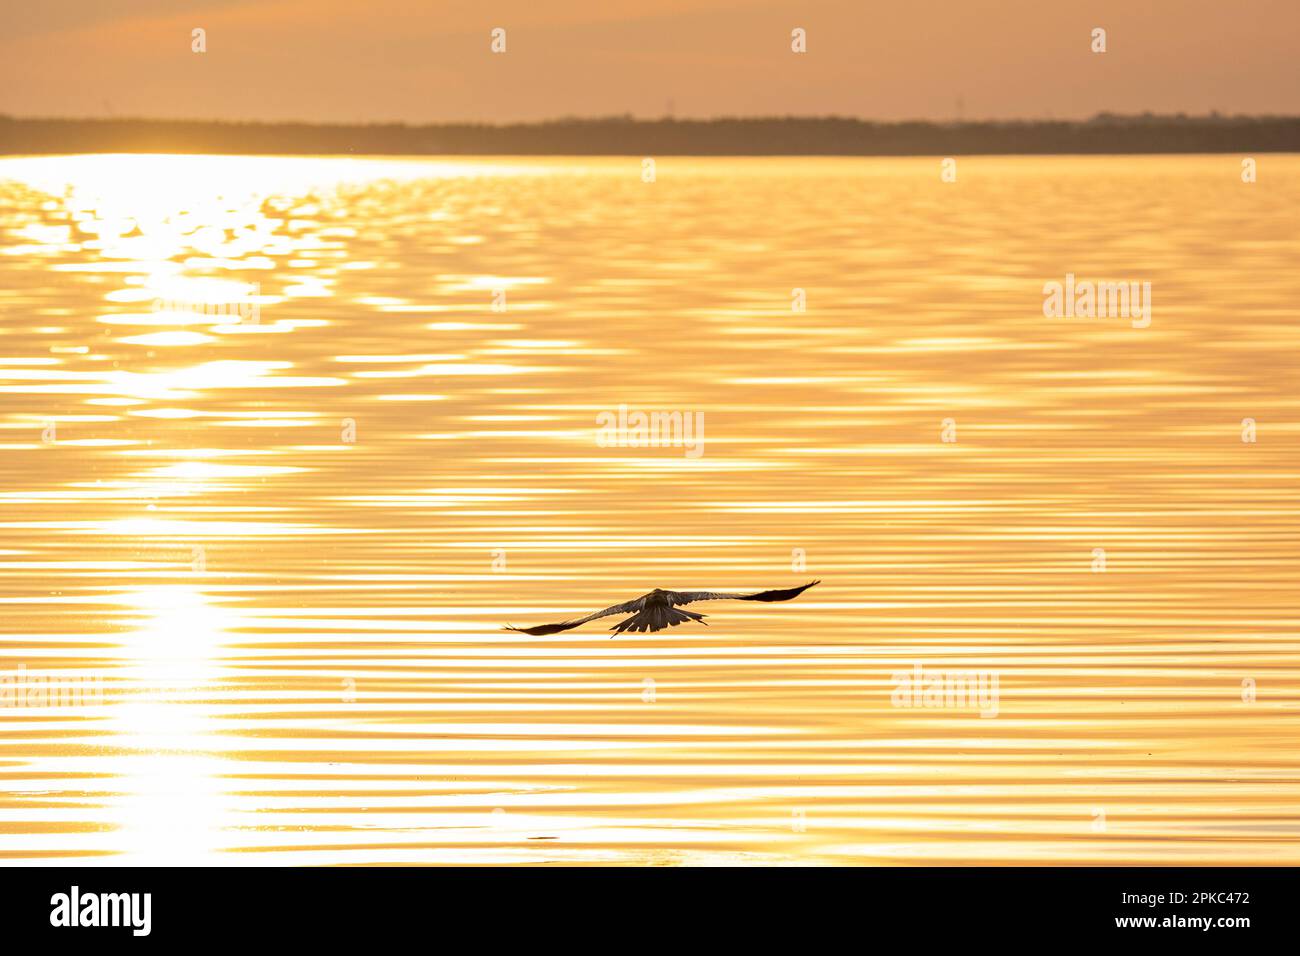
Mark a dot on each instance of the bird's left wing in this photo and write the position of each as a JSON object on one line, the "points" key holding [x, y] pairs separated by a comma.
{"points": [[626, 607], [784, 594]]}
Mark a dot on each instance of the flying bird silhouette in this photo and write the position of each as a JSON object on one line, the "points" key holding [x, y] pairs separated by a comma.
{"points": [[658, 609]]}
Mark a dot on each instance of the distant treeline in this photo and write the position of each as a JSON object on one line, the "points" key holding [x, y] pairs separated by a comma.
{"points": [[820, 136]]}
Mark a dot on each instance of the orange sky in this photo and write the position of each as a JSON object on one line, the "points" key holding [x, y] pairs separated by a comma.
{"points": [[426, 61]]}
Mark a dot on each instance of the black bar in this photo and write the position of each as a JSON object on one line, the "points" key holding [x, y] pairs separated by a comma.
{"points": [[553, 907]]}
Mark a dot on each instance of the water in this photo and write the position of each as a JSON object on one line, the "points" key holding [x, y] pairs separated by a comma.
{"points": [[285, 547]]}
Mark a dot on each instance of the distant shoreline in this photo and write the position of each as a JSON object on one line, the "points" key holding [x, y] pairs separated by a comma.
{"points": [[625, 136]]}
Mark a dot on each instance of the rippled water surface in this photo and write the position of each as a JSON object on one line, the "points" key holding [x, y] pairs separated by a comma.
{"points": [[279, 546]]}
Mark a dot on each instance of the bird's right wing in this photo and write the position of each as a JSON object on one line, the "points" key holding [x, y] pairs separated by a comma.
{"points": [[782, 594], [627, 607]]}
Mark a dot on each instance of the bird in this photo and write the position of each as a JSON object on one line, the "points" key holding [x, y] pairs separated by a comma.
{"points": [[659, 609]]}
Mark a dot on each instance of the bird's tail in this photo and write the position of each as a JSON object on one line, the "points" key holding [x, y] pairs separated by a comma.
{"points": [[656, 618]]}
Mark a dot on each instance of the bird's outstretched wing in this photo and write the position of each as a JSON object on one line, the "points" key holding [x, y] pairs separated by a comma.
{"points": [[627, 607], [785, 594]]}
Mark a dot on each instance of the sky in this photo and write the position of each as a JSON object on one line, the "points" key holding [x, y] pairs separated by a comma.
{"points": [[431, 61]]}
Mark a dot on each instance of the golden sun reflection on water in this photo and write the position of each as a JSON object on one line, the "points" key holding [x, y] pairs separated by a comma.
{"points": [[287, 538], [171, 808]]}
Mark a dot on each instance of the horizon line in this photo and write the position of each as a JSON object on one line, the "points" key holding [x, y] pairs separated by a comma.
{"points": [[1103, 115], [626, 135]]}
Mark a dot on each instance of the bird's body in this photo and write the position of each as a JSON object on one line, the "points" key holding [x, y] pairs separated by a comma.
{"points": [[659, 609]]}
